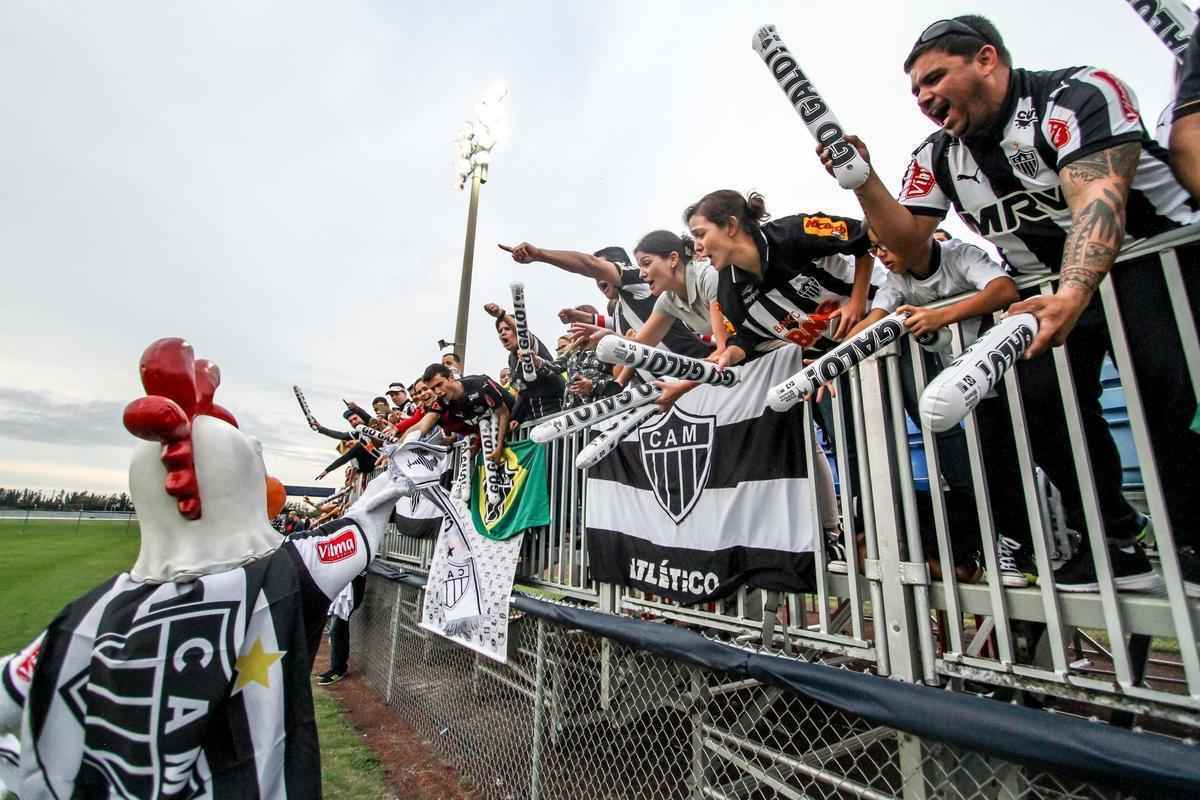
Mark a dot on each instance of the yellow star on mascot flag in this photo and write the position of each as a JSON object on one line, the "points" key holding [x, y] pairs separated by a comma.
{"points": [[255, 666]]}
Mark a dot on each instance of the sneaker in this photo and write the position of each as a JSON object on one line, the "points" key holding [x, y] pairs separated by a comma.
{"points": [[1145, 534], [325, 674], [330, 678], [835, 553], [1132, 571], [1007, 555]]}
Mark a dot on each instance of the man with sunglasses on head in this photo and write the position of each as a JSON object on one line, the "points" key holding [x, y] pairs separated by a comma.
{"points": [[1056, 169]]}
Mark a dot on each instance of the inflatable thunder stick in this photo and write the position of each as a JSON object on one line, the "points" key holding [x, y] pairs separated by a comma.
{"points": [[585, 416], [958, 388], [606, 442], [662, 363], [487, 444], [850, 169], [524, 343], [1170, 20], [838, 361]]}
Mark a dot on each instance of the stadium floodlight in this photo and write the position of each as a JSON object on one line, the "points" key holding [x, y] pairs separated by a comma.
{"points": [[473, 150]]}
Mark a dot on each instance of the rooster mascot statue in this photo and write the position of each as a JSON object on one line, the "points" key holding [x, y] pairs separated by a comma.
{"points": [[188, 675]]}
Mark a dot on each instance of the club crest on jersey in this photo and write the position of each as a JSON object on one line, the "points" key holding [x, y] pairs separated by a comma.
{"points": [[1025, 161], [147, 693], [339, 548], [824, 226], [677, 456]]}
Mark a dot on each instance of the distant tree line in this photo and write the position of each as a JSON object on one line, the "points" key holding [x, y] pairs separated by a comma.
{"points": [[65, 500]]}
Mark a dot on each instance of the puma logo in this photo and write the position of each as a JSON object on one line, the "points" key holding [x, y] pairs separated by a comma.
{"points": [[962, 176]]}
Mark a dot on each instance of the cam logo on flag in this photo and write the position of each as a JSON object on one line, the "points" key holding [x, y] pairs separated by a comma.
{"points": [[677, 455], [523, 500], [147, 693]]}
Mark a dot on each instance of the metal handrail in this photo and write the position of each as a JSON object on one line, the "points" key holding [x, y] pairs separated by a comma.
{"points": [[883, 613]]}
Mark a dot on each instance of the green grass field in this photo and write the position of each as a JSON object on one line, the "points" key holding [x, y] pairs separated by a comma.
{"points": [[50, 563]]}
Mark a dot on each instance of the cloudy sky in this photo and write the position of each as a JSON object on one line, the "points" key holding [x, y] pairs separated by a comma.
{"points": [[275, 180]]}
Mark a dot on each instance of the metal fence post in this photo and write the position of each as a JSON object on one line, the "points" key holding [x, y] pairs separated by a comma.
{"points": [[896, 613], [539, 695]]}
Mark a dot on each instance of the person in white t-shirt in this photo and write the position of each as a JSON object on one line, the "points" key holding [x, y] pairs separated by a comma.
{"points": [[944, 268]]}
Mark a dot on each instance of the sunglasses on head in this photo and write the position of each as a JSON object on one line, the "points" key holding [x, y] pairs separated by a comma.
{"points": [[947, 27]]}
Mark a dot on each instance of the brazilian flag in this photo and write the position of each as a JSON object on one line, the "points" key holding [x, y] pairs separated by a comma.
{"points": [[523, 500]]}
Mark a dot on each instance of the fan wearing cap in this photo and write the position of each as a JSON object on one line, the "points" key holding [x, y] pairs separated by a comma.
{"points": [[188, 674], [620, 281], [398, 394]]}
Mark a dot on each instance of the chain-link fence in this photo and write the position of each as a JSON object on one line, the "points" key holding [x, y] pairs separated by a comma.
{"points": [[576, 715]]}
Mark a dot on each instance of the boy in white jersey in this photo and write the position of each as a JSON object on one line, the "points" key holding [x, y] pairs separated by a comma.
{"points": [[941, 269], [947, 269]]}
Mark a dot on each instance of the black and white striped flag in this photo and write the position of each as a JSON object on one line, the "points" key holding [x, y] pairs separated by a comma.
{"points": [[709, 496], [417, 516]]}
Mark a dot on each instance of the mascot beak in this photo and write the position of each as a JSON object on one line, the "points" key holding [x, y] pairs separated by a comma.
{"points": [[276, 496]]}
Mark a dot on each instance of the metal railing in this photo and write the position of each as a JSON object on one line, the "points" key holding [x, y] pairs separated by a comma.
{"points": [[886, 612]]}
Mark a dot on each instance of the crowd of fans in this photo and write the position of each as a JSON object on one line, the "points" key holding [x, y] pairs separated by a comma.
{"points": [[1055, 168]]}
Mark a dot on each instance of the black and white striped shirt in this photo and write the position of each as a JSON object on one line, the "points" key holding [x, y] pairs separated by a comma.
{"points": [[1005, 184], [185, 689], [806, 276]]}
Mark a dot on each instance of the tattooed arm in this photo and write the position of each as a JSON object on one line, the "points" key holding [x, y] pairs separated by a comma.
{"points": [[1096, 187]]}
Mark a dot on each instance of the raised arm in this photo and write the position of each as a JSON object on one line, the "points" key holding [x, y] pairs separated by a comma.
{"points": [[1096, 187], [901, 230], [341, 436], [594, 267]]}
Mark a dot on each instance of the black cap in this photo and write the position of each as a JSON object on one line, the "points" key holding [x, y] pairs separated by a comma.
{"points": [[615, 254]]}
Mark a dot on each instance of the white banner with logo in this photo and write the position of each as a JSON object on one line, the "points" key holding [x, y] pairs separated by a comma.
{"points": [[709, 496], [470, 582]]}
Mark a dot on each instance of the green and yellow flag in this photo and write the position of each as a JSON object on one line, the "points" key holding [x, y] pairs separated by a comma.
{"points": [[524, 501]]}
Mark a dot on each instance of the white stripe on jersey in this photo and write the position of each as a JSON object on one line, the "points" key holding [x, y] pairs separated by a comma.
{"points": [[265, 704]]}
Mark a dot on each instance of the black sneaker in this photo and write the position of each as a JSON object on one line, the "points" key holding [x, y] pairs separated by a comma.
{"points": [[1132, 571], [1009, 563], [325, 674], [330, 678], [1189, 565]]}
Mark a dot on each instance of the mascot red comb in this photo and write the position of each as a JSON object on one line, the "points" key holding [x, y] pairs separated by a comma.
{"points": [[188, 675]]}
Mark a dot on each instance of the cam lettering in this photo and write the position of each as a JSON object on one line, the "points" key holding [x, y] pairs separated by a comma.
{"points": [[687, 435], [339, 548]]}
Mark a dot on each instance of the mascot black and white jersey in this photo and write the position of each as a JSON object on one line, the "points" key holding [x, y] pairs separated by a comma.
{"points": [[188, 676]]}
